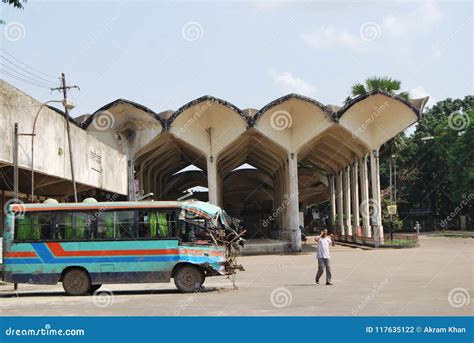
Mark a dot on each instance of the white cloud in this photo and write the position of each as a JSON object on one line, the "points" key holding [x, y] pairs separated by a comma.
{"points": [[326, 37], [394, 26], [292, 84], [423, 18]]}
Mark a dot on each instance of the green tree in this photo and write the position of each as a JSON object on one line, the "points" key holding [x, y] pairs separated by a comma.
{"points": [[386, 84], [438, 173]]}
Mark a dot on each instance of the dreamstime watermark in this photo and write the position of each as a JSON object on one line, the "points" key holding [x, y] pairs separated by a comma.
{"points": [[457, 210], [187, 302], [459, 297], [370, 31], [281, 297], [194, 118], [371, 297], [17, 204], [369, 209], [279, 210], [45, 331], [441, 46], [281, 120], [103, 298], [377, 110], [192, 31], [99, 35], [92, 218], [11, 301], [14, 31], [103, 120], [458, 121]]}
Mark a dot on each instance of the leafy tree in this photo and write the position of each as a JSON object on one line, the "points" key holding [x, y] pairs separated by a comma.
{"points": [[437, 173], [386, 84]]}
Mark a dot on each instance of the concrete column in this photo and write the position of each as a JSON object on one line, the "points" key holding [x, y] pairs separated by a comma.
{"points": [[212, 180], [376, 200], [332, 202], [364, 192], [347, 201], [340, 222], [355, 198], [293, 210]]}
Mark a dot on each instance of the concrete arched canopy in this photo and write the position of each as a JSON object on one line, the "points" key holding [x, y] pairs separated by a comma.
{"points": [[124, 121], [252, 194], [377, 117], [313, 187], [208, 123], [157, 163], [293, 120], [332, 149]]}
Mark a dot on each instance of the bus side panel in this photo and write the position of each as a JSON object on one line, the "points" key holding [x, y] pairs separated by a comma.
{"points": [[210, 257], [106, 261]]}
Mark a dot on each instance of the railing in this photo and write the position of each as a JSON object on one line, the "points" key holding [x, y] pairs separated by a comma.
{"points": [[398, 239]]}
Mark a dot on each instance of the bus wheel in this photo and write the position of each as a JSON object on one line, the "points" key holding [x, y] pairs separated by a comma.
{"points": [[188, 278], [94, 288], [76, 282]]}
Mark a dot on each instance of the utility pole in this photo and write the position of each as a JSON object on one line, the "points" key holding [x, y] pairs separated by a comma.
{"points": [[65, 89]]}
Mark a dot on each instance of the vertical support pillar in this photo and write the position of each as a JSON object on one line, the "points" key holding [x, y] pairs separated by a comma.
{"points": [[355, 199], [212, 180], [347, 201], [364, 204], [293, 198], [332, 202], [340, 222], [376, 200]]}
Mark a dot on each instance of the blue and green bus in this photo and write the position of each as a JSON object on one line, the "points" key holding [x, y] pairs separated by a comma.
{"points": [[85, 245]]}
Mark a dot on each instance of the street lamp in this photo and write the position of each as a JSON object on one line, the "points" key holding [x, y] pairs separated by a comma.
{"points": [[33, 134]]}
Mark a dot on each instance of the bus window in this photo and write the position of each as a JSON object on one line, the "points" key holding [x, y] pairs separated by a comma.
{"points": [[117, 225], [71, 226], [33, 227], [156, 223]]}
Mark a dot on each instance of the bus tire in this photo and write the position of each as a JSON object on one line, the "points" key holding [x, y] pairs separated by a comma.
{"points": [[189, 278], [76, 281]]}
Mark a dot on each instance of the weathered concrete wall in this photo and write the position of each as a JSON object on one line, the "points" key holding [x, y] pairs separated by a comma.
{"points": [[95, 163]]}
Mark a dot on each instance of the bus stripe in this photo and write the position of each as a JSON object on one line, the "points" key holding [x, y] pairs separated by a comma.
{"points": [[59, 251], [20, 254]]}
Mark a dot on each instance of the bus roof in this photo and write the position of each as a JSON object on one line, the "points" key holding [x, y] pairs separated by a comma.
{"points": [[203, 208]]}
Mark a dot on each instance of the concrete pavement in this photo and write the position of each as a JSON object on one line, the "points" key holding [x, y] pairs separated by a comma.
{"points": [[434, 279]]}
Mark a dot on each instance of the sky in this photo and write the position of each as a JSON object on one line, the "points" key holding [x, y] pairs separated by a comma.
{"points": [[165, 54]]}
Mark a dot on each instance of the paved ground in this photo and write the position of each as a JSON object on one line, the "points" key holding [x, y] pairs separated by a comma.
{"points": [[375, 282]]}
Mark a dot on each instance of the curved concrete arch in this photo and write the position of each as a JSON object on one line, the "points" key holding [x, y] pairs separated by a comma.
{"points": [[208, 123], [252, 142], [378, 116], [292, 120], [123, 104], [287, 97], [125, 125]]}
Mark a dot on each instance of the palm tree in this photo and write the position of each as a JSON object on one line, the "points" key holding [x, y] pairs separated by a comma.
{"points": [[386, 84]]}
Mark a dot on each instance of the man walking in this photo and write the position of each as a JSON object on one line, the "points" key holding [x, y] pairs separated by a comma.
{"points": [[322, 254]]}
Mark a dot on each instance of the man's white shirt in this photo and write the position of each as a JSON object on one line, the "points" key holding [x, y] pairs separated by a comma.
{"points": [[323, 247]]}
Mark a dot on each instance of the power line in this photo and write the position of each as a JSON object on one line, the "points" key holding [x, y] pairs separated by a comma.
{"points": [[41, 79], [27, 77], [26, 65], [25, 81]]}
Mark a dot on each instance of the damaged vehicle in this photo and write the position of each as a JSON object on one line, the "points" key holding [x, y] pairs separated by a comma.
{"points": [[85, 245]]}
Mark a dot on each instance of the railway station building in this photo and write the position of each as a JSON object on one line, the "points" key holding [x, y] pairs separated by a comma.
{"points": [[263, 166]]}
